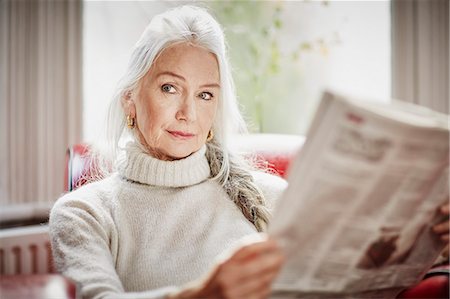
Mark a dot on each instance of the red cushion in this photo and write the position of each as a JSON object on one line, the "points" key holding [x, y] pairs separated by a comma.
{"points": [[77, 166], [37, 286], [435, 286], [275, 150], [432, 287]]}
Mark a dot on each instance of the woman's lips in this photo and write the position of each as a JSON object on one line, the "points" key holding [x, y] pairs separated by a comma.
{"points": [[181, 134]]}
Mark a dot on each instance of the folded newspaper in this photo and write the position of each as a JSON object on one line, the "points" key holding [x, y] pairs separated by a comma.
{"points": [[363, 194]]}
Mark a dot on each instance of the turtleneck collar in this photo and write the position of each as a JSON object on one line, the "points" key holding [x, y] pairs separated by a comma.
{"points": [[139, 166]]}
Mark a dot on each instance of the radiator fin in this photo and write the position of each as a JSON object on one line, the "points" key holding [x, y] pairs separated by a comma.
{"points": [[25, 250]]}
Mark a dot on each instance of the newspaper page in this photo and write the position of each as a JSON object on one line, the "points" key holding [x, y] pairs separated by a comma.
{"points": [[363, 195]]}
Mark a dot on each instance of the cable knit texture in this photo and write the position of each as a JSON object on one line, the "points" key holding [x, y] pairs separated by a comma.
{"points": [[148, 229]]}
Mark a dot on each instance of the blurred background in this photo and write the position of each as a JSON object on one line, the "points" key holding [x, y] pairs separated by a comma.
{"points": [[60, 62]]}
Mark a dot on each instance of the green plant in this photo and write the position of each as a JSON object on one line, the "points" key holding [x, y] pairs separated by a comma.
{"points": [[263, 72]]}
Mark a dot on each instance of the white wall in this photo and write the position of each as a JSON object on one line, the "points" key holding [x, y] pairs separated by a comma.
{"points": [[111, 28], [357, 59]]}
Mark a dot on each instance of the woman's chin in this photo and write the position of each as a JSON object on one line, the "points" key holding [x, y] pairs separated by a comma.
{"points": [[177, 154]]}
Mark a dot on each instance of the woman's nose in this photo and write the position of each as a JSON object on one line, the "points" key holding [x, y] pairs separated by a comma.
{"points": [[187, 110]]}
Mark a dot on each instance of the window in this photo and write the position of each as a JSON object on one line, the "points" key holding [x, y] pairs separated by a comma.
{"points": [[283, 55]]}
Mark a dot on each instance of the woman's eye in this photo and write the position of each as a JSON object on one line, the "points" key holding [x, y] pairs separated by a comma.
{"points": [[168, 88], [206, 96]]}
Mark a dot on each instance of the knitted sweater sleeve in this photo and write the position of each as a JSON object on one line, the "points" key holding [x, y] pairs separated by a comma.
{"points": [[80, 233]]}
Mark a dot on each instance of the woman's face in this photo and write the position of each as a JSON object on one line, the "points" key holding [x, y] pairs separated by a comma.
{"points": [[176, 101]]}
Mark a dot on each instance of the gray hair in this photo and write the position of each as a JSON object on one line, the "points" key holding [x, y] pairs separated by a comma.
{"points": [[194, 25]]}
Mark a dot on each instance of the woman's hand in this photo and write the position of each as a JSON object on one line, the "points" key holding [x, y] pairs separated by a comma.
{"points": [[247, 273], [443, 228]]}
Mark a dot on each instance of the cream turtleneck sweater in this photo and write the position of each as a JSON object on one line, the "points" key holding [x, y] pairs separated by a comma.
{"points": [[148, 229]]}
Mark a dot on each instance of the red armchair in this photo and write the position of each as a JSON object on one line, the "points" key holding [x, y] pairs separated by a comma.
{"points": [[77, 166], [435, 284], [276, 151], [37, 286]]}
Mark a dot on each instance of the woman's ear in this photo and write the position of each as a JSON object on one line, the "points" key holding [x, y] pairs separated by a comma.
{"points": [[128, 105]]}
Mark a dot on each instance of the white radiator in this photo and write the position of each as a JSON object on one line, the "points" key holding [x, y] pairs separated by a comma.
{"points": [[25, 250]]}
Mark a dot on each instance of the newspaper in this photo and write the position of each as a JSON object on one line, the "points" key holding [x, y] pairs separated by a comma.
{"points": [[363, 194]]}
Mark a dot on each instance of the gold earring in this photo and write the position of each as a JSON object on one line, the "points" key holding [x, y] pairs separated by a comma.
{"points": [[210, 135], [130, 121]]}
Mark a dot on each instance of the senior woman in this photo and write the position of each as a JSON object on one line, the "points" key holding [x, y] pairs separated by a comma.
{"points": [[162, 224]]}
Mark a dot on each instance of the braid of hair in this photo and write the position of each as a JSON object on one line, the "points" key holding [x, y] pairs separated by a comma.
{"points": [[239, 185]]}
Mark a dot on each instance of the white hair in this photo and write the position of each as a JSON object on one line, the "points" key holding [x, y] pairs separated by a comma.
{"points": [[182, 24], [196, 26]]}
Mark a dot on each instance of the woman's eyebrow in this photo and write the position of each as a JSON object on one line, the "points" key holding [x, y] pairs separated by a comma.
{"points": [[171, 74], [168, 73], [210, 85]]}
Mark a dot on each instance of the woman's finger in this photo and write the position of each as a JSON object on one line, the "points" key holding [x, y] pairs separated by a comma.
{"points": [[251, 287], [257, 285], [445, 252], [257, 248], [239, 273], [442, 228], [445, 209], [240, 278], [262, 264], [258, 294]]}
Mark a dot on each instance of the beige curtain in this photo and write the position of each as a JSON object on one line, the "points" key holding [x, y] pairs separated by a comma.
{"points": [[420, 52], [41, 101]]}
